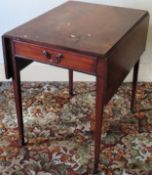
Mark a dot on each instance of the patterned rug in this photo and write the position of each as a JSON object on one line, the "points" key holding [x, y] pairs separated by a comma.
{"points": [[59, 131]]}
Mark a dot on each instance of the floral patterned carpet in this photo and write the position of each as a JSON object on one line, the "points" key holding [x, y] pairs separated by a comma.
{"points": [[59, 131]]}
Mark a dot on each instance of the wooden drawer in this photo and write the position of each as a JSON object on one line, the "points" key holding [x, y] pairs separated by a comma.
{"points": [[59, 58]]}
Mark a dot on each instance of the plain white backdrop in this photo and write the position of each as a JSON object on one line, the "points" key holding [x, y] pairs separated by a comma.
{"points": [[17, 12]]}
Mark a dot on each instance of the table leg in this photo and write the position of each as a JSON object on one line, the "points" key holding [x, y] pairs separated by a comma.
{"points": [[134, 86], [18, 100], [100, 86], [70, 82]]}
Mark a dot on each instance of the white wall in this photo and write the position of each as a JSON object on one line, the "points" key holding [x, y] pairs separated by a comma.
{"points": [[16, 12]]}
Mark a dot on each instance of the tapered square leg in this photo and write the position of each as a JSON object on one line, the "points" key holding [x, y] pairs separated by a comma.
{"points": [[100, 88], [18, 101], [71, 82], [134, 86]]}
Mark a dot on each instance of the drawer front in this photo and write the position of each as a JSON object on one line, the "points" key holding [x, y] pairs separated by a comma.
{"points": [[59, 58]]}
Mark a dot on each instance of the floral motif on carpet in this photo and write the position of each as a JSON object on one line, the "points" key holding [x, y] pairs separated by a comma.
{"points": [[59, 131]]}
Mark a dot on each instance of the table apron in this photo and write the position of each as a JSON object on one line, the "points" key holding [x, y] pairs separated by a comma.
{"points": [[69, 60]]}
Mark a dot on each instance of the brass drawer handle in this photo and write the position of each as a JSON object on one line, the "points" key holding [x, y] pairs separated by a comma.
{"points": [[47, 54], [56, 58], [59, 57]]}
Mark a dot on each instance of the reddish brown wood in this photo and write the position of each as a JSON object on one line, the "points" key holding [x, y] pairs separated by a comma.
{"points": [[7, 56], [71, 60], [80, 27], [18, 100], [124, 56], [22, 63], [134, 85], [81, 37], [71, 82], [101, 83]]}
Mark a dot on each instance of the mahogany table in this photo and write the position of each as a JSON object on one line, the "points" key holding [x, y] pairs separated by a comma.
{"points": [[100, 40]]}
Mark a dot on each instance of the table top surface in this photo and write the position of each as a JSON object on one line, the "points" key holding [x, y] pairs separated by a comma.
{"points": [[82, 27]]}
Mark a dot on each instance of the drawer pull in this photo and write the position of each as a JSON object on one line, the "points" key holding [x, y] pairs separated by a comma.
{"points": [[53, 58], [59, 56], [46, 54], [56, 58]]}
